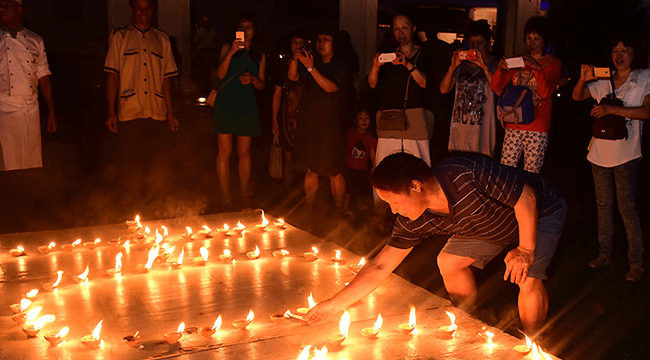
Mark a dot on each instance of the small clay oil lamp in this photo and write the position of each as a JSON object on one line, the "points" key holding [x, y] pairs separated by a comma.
{"points": [[19, 308], [115, 242], [201, 260], [172, 337], [52, 286], [18, 251], [132, 340], [524, 349], [450, 329], [280, 254], [70, 247], [356, 267], [141, 237], [31, 294], [46, 249], [33, 328], [134, 223], [240, 228], [280, 224], [337, 256], [264, 223], [344, 326], [153, 254], [165, 251], [252, 255], [175, 265], [207, 331], [55, 338], [94, 340], [188, 235], [206, 232], [81, 278], [241, 324], [371, 332], [226, 256], [225, 230], [92, 245], [30, 316], [406, 329], [302, 311], [118, 266], [280, 318], [311, 255], [487, 335]]}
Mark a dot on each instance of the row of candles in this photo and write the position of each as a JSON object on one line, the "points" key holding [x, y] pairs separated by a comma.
{"points": [[33, 326]]}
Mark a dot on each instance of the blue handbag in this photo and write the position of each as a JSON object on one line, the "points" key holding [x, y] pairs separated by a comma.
{"points": [[516, 105]]}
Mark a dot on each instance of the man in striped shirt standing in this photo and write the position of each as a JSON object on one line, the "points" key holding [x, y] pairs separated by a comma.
{"points": [[485, 207]]}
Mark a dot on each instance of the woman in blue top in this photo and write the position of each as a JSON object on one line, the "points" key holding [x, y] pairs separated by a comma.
{"points": [[241, 68]]}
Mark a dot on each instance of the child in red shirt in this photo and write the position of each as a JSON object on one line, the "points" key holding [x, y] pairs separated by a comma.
{"points": [[360, 149]]}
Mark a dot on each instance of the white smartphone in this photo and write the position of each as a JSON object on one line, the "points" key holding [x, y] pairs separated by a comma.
{"points": [[601, 72], [515, 62], [387, 57], [239, 35]]}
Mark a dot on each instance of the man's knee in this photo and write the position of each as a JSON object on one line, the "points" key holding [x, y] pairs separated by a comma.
{"points": [[532, 286], [449, 264]]}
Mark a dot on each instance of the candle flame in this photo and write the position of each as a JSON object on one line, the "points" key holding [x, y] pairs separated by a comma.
{"points": [[310, 299], [304, 355], [337, 255], [40, 322], [281, 221], [63, 332], [204, 253], [181, 328], [251, 316], [344, 325], [489, 336], [313, 248], [539, 354], [32, 293], [32, 314], [20, 248], [256, 253], [362, 262], [24, 304], [284, 252], [118, 262], [226, 227], [165, 231], [97, 330], [320, 354], [159, 237], [84, 275], [138, 224], [412, 318], [264, 221], [76, 242], [188, 229], [529, 343], [58, 279], [153, 254], [169, 250], [98, 240], [207, 228], [240, 225], [287, 314], [217, 324], [226, 253], [147, 231], [180, 257], [137, 218], [452, 318], [52, 245], [378, 323], [127, 243]]}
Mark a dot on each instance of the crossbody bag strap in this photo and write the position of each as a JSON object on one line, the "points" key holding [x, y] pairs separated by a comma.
{"points": [[232, 77], [611, 80], [408, 81]]}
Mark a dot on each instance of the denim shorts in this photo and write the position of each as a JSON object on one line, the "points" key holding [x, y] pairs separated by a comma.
{"points": [[549, 230]]}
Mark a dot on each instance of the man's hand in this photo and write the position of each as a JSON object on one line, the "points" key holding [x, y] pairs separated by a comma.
{"points": [[111, 123], [51, 123], [518, 261], [321, 313], [172, 122]]}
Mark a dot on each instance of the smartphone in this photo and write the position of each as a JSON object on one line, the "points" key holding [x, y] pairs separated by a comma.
{"points": [[387, 57], [515, 62], [305, 50], [601, 72], [239, 35], [468, 55]]}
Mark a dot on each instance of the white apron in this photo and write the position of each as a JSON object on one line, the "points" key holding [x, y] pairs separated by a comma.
{"points": [[20, 133]]}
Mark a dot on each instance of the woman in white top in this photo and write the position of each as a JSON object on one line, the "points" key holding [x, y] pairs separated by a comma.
{"points": [[615, 163]]}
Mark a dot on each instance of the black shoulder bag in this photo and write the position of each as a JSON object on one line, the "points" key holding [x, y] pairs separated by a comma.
{"points": [[610, 127]]}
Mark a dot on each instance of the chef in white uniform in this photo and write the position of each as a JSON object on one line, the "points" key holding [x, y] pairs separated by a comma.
{"points": [[23, 70]]}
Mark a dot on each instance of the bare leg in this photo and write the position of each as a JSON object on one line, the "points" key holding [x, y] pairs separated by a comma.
{"points": [[459, 280], [244, 154], [223, 165], [533, 305], [311, 186], [337, 183]]}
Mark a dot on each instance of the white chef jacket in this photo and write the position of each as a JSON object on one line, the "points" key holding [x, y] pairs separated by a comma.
{"points": [[22, 62], [142, 59]]}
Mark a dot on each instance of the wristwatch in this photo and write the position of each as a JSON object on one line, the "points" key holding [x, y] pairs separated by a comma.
{"points": [[413, 68], [310, 69]]}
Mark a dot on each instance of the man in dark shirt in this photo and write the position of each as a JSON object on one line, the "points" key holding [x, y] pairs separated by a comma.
{"points": [[485, 207]]}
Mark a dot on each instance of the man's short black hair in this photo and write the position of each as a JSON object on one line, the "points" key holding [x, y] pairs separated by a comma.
{"points": [[396, 172], [479, 27]]}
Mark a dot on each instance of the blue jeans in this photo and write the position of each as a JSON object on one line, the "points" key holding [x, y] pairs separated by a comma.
{"points": [[622, 180]]}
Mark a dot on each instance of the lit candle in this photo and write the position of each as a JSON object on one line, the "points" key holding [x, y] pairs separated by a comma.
{"points": [[92, 245], [241, 324], [310, 300], [240, 228], [304, 354], [279, 254], [173, 336], [188, 234], [344, 326], [337, 256], [46, 249], [81, 278], [133, 223], [28, 317], [524, 349], [487, 335], [31, 294], [280, 224], [115, 242], [18, 251], [252, 255], [177, 264], [311, 255], [264, 223], [93, 340], [70, 247], [132, 340], [57, 338], [201, 260], [165, 231], [539, 354], [153, 254], [205, 232], [32, 329], [224, 230], [450, 329], [408, 328], [226, 256], [18, 308], [118, 266], [209, 331], [52, 286], [371, 332], [356, 267]]}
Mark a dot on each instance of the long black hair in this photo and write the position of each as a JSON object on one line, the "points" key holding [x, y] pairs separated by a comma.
{"points": [[256, 49]]}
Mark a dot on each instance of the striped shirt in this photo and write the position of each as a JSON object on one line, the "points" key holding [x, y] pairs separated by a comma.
{"points": [[481, 196]]}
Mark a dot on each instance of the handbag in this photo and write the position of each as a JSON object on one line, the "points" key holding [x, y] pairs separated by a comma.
{"points": [[210, 100], [610, 127], [516, 105], [275, 161]]}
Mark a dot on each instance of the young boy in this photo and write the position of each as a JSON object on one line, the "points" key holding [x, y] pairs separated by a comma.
{"points": [[360, 148]]}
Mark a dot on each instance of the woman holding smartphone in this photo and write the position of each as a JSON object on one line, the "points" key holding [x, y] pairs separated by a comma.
{"points": [[541, 73], [241, 69], [615, 163]]}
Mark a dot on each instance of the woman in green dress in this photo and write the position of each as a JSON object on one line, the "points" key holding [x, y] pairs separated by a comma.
{"points": [[241, 70]]}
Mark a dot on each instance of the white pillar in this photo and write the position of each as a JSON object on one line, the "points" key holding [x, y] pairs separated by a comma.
{"points": [[517, 13], [359, 18]]}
